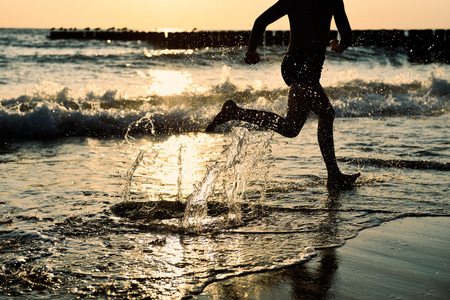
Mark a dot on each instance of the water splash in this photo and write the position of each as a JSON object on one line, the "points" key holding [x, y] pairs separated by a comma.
{"points": [[180, 174], [130, 173], [242, 155], [148, 119], [250, 151], [196, 208], [139, 156]]}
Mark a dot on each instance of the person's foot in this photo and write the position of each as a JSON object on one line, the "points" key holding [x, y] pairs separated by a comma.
{"points": [[225, 115], [342, 181]]}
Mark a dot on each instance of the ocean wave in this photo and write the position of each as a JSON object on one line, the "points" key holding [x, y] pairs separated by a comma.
{"points": [[359, 98], [109, 113], [50, 120]]}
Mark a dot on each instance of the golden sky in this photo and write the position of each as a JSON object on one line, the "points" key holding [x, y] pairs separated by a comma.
{"points": [[209, 14]]}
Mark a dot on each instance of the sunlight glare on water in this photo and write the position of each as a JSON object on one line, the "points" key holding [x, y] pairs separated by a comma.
{"points": [[165, 83], [152, 52], [180, 163]]}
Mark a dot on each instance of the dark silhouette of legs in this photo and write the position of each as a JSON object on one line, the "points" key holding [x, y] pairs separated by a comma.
{"points": [[297, 113], [303, 98]]}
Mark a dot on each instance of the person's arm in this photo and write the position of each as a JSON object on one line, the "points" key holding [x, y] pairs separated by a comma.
{"points": [[274, 13], [343, 26]]}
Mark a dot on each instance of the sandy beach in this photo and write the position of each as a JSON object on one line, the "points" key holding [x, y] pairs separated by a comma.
{"points": [[402, 259]]}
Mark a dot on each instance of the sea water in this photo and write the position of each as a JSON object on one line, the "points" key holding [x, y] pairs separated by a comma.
{"points": [[87, 125]]}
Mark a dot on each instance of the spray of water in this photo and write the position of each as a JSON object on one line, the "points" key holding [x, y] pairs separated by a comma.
{"points": [[130, 173], [180, 174], [250, 151], [139, 156], [242, 155], [148, 119]]}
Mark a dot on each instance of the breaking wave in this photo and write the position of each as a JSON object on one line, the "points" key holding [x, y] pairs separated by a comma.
{"points": [[110, 113]]}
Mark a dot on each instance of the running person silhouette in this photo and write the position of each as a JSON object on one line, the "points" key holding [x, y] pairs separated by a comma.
{"points": [[301, 69]]}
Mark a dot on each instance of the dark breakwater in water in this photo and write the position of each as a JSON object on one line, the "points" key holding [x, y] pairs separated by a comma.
{"points": [[422, 46]]}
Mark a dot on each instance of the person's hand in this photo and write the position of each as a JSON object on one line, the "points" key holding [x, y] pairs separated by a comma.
{"points": [[336, 46], [252, 57]]}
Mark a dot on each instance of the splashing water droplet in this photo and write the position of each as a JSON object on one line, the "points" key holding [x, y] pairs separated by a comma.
{"points": [[129, 175], [139, 156], [243, 153]]}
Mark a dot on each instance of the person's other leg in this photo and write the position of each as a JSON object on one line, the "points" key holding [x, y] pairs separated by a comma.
{"points": [[321, 106]]}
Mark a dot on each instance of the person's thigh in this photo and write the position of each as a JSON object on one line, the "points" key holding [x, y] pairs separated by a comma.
{"points": [[320, 103], [299, 104]]}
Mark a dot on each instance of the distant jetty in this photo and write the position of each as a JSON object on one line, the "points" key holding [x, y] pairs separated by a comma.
{"points": [[422, 46]]}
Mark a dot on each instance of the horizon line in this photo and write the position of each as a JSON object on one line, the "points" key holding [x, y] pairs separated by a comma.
{"points": [[167, 29]]}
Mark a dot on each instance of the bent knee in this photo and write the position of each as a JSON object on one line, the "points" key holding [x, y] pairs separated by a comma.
{"points": [[291, 132]]}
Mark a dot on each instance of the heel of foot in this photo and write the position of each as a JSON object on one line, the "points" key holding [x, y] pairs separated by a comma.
{"points": [[229, 106], [223, 116]]}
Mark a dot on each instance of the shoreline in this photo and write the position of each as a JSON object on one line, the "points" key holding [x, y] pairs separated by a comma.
{"points": [[402, 259]]}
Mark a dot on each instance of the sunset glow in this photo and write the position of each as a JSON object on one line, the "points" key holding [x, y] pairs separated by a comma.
{"points": [[208, 15]]}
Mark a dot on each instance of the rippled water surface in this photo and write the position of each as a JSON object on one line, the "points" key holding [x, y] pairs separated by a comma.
{"points": [[102, 150]]}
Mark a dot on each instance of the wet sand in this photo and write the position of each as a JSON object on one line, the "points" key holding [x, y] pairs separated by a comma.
{"points": [[402, 259]]}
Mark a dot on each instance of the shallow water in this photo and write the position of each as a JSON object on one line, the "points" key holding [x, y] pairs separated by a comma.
{"points": [[68, 150], [58, 229]]}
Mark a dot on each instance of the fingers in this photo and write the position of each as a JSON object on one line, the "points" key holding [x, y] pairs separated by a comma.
{"points": [[333, 43], [336, 46]]}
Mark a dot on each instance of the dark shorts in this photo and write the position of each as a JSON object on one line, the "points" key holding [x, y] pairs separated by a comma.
{"points": [[302, 66]]}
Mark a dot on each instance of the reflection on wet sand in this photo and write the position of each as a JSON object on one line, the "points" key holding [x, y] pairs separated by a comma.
{"points": [[311, 280]]}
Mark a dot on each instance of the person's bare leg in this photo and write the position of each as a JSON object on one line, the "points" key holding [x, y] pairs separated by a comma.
{"points": [[297, 113], [321, 106]]}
